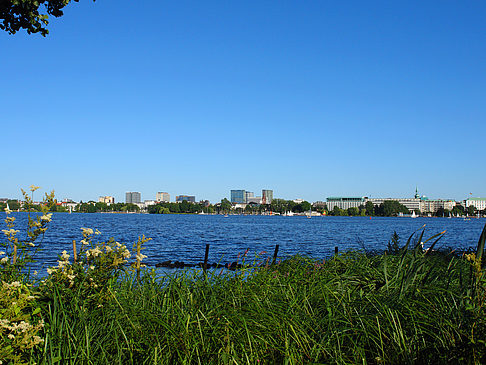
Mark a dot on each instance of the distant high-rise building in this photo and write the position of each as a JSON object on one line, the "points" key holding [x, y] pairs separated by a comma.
{"points": [[267, 196], [254, 200], [189, 198], [162, 197], [238, 196], [133, 197], [248, 195], [106, 199]]}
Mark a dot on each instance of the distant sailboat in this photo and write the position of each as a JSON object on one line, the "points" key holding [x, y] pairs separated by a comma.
{"points": [[413, 214]]}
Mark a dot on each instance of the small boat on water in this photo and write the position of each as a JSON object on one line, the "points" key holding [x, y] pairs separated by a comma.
{"points": [[413, 214]]}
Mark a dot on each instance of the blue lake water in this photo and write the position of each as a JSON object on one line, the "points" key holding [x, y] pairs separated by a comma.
{"points": [[183, 237]]}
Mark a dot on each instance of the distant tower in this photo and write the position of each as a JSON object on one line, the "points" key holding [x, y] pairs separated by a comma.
{"points": [[267, 196], [416, 193]]}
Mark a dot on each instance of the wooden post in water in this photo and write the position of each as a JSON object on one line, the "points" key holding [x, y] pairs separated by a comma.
{"points": [[206, 254], [75, 254], [14, 258], [336, 250], [275, 254]]}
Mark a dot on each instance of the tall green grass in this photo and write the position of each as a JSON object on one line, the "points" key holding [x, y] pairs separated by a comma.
{"points": [[408, 307]]}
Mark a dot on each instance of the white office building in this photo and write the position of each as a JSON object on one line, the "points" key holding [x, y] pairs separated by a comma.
{"points": [[344, 202], [162, 197], [479, 203]]}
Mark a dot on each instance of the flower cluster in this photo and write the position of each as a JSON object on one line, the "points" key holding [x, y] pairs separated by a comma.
{"points": [[63, 269], [94, 264], [19, 322]]}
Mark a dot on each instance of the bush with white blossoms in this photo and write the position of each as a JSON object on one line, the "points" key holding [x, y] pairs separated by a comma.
{"points": [[20, 323], [95, 265], [16, 252]]}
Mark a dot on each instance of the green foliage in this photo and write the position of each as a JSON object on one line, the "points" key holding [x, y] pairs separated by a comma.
{"points": [[393, 246], [390, 208], [338, 211], [353, 308], [481, 243], [353, 211], [16, 254], [31, 15], [370, 208], [225, 205], [20, 323], [458, 210], [183, 207]]}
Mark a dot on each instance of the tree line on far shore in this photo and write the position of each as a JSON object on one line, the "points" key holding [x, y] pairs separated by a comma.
{"points": [[388, 208]]}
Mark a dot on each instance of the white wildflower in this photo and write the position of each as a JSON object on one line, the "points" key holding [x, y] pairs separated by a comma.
{"points": [[11, 336], [46, 217], [2, 253], [37, 340], [65, 255], [96, 251], [4, 260], [10, 232], [108, 249], [24, 326], [87, 231]]}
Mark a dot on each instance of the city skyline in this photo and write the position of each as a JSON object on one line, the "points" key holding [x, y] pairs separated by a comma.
{"points": [[313, 99], [139, 196]]}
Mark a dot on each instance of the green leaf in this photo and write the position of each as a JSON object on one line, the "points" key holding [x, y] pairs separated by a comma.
{"points": [[482, 239]]}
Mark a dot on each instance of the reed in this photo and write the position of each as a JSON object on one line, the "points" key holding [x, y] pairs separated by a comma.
{"points": [[405, 308]]}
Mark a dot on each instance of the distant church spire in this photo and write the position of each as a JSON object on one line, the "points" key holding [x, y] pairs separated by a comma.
{"points": [[416, 193]]}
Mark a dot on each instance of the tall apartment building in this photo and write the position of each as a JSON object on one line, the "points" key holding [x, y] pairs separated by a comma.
{"points": [[238, 196], [433, 205], [249, 195], [162, 197], [188, 198], [267, 196], [133, 197], [479, 203], [106, 199]]}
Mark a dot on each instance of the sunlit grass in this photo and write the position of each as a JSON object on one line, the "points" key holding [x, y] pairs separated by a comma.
{"points": [[403, 308]]}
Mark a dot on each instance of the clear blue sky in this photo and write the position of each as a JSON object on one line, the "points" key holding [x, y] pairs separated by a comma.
{"points": [[308, 98]]}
